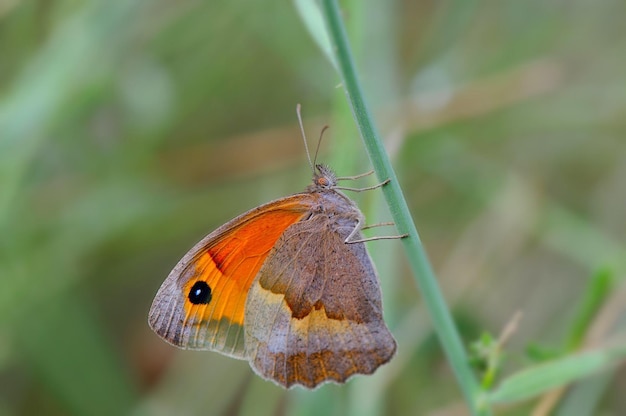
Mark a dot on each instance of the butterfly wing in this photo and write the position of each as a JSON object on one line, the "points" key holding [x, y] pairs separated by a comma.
{"points": [[314, 313], [201, 303]]}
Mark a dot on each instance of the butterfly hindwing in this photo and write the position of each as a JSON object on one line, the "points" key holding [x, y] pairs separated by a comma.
{"points": [[314, 313]]}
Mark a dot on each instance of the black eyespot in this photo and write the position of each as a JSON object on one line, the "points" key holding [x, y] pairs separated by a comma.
{"points": [[200, 293]]}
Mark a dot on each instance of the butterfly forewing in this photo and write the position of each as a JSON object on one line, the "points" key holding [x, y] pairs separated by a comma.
{"points": [[201, 303]]}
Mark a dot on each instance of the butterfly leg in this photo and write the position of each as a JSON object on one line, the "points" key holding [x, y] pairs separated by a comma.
{"points": [[369, 188], [358, 228], [380, 224], [352, 178], [379, 237]]}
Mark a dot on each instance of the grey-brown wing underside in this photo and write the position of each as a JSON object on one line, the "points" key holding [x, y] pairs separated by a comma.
{"points": [[314, 313]]}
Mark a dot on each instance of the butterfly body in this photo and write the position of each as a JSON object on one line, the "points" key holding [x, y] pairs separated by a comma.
{"points": [[283, 287]]}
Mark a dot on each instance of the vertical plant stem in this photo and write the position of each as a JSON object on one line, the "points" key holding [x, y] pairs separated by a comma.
{"points": [[440, 314]]}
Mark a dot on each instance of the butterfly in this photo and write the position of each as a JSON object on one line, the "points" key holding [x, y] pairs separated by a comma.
{"points": [[288, 286]]}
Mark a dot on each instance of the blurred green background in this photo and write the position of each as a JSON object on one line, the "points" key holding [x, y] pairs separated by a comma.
{"points": [[130, 129]]}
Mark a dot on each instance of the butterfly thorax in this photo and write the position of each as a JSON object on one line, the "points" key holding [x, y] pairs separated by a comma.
{"points": [[330, 201]]}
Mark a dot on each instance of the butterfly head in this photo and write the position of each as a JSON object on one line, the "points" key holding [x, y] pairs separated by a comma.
{"points": [[324, 178]]}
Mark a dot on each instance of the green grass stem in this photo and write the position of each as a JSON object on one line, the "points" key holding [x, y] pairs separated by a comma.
{"points": [[418, 260]]}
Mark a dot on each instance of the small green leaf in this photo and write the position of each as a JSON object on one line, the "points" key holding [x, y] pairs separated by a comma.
{"points": [[486, 356], [542, 353], [480, 351], [549, 375]]}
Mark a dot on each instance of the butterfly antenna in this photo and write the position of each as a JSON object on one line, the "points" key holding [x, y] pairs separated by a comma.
{"points": [[319, 142], [306, 146]]}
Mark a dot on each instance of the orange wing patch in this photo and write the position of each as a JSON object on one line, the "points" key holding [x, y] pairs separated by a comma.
{"points": [[230, 265]]}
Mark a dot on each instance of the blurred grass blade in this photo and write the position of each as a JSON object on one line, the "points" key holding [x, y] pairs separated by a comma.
{"points": [[311, 15], [598, 289], [539, 379]]}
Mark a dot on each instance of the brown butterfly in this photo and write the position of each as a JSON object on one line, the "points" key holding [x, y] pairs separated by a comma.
{"points": [[288, 286]]}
